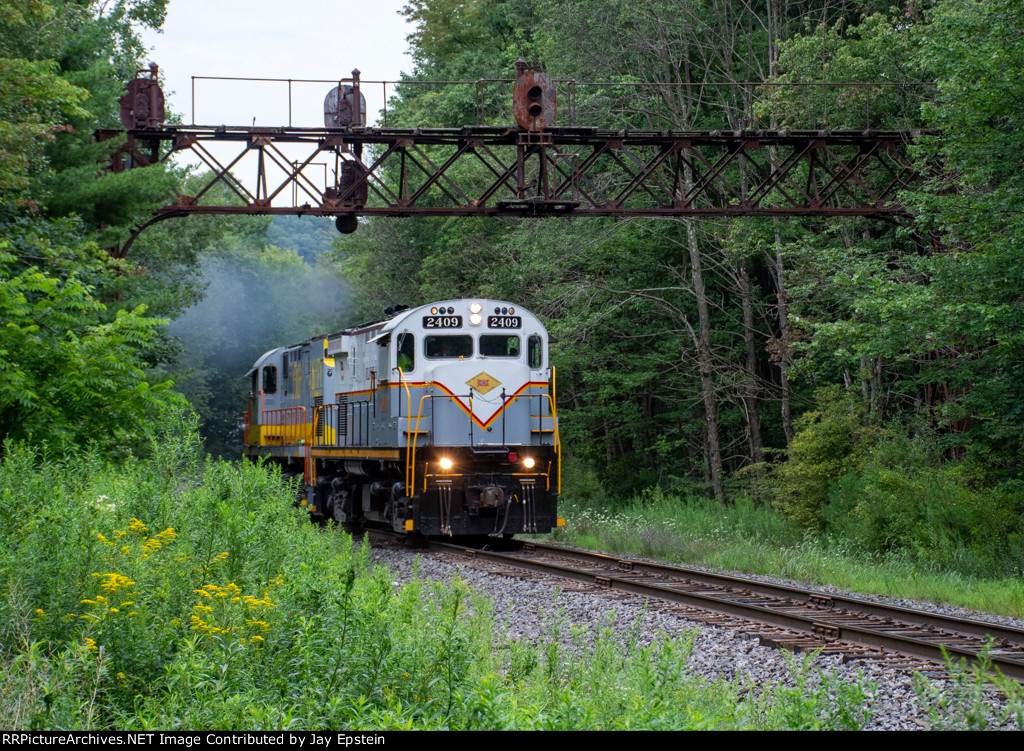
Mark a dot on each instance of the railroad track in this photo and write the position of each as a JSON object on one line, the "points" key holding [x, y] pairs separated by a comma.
{"points": [[781, 616]]}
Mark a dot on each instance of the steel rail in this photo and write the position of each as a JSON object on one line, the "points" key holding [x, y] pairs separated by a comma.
{"points": [[916, 617], [832, 617]]}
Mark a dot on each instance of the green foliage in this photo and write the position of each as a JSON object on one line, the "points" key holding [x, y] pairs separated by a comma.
{"points": [[904, 500], [983, 573], [172, 593], [876, 50], [937, 312], [62, 68], [963, 699], [74, 350], [69, 375], [829, 441], [35, 102], [973, 207], [685, 529], [310, 236], [818, 701]]}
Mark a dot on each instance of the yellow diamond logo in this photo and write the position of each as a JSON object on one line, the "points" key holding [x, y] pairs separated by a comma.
{"points": [[483, 382]]}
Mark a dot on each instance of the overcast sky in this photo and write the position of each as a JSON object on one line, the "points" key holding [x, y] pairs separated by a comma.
{"points": [[311, 39]]}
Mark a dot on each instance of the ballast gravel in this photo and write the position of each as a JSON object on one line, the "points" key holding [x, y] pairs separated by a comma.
{"points": [[529, 609]]}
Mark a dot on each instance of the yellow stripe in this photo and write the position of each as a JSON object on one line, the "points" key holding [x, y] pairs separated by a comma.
{"points": [[356, 453]]}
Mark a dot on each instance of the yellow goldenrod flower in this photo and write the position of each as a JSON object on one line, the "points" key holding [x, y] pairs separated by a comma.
{"points": [[137, 526], [113, 582], [40, 612]]}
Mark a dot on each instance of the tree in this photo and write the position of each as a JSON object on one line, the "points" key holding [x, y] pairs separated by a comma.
{"points": [[974, 210], [75, 370], [70, 377]]}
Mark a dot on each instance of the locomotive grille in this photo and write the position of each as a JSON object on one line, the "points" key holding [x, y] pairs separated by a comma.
{"points": [[342, 419], [318, 407]]}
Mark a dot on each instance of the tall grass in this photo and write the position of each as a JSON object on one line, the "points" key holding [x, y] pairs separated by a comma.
{"points": [[177, 593], [753, 539]]}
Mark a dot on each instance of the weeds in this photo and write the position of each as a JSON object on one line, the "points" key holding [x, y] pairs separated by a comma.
{"points": [[177, 593], [965, 700], [757, 540]]}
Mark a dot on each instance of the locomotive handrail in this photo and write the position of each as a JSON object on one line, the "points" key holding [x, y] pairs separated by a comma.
{"points": [[282, 417], [309, 469], [410, 448], [408, 399], [552, 400], [557, 438]]}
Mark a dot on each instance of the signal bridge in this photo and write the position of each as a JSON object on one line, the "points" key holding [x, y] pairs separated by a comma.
{"points": [[530, 168]]}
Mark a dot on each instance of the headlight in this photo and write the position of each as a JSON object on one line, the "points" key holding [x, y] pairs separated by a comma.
{"points": [[475, 307], [475, 319], [446, 463], [528, 463]]}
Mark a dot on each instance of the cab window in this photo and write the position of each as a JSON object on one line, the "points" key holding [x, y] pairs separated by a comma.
{"points": [[536, 352], [445, 347], [270, 379], [499, 345], [406, 352]]}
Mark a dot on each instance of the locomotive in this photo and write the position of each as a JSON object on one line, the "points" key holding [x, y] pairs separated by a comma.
{"points": [[439, 420]]}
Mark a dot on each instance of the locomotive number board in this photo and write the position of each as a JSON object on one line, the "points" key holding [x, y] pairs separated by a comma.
{"points": [[442, 322], [504, 322]]}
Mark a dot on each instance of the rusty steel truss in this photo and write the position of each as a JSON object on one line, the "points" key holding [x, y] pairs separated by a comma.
{"points": [[489, 171], [347, 170]]}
